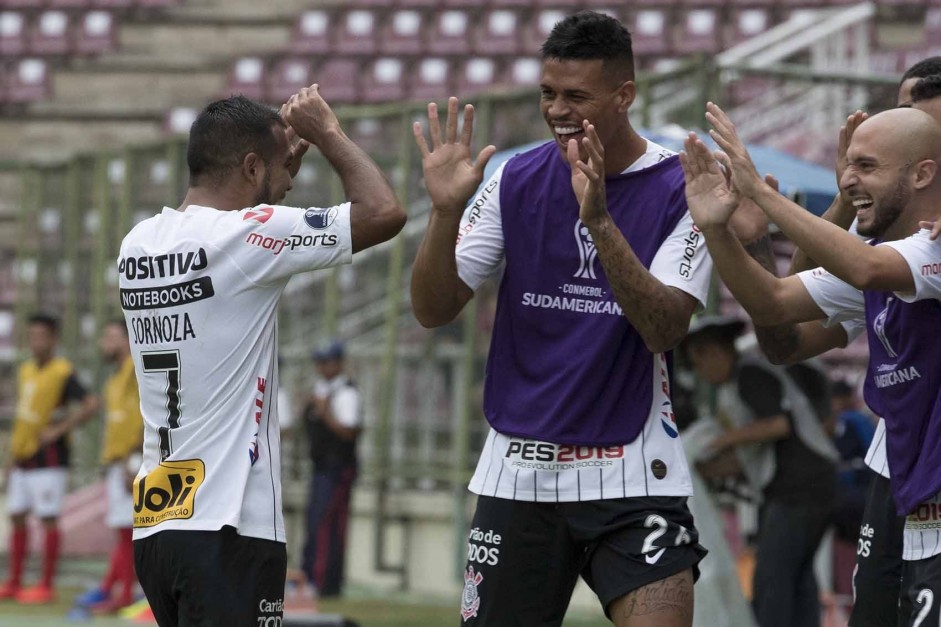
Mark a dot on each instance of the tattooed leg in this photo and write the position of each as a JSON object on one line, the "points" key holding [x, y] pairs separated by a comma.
{"points": [[664, 603]]}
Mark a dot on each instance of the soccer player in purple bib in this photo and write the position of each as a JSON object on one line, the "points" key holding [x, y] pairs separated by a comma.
{"points": [[582, 472], [892, 284]]}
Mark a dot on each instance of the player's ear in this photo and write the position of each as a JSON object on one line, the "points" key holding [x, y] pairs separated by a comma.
{"points": [[253, 168], [626, 94], [926, 171]]}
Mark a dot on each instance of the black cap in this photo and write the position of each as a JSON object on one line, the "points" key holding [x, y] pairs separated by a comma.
{"points": [[332, 350]]}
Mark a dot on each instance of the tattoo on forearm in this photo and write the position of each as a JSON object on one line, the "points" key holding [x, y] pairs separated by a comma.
{"points": [[673, 595], [646, 307], [778, 342]]}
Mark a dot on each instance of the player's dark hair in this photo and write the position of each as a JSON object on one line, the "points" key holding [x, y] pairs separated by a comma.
{"points": [[47, 320], [227, 130], [925, 67], [590, 35], [927, 88]]}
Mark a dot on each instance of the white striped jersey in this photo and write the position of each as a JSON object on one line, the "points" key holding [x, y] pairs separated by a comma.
{"points": [[875, 456], [200, 291], [922, 536]]}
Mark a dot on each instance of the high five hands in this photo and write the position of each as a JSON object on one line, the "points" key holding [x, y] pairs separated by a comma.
{"points": [[451, 177], [588, 178]]}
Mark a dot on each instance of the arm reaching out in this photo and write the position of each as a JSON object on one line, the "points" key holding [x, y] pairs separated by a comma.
{"points": [[375, 212], [438, 293]]}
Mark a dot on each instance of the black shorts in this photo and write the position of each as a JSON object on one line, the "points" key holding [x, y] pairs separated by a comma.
{"points": [[523, 559], [877, 578], [922, 591], [212, 578]]}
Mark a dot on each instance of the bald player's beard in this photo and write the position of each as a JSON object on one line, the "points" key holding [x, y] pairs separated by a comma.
{"points": [[886, 211]]}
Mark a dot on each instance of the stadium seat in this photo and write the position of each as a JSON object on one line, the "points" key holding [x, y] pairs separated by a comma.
{"points": [[339, 80], [933, 26], [523, 72], [450, 32], [179, 120], [401, 34], [431, 80], [312, 32], [698, 32], [511, 4], [286, 77], [540, 25], [50, 34], [498, 32], [12, 33], [649, 32], [95, 33], [113, 4], [28, 81], [384, 80], [746, 23], [247, 78], [476, 75], [356, 32]]}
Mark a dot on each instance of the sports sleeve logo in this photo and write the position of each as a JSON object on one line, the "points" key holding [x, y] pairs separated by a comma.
{"points": [[320, 219], [259, 214], [587, 253], [168, 492]]}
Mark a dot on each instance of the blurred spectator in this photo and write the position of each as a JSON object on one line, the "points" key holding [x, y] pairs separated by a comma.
{"points": [[853, 433], [783, 450], [333, 417]]}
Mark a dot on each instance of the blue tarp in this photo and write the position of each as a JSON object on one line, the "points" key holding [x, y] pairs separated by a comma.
{"points": [[810, 185]]}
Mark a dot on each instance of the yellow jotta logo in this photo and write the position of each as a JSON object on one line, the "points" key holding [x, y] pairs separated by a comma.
{"points": [[168, 492]]}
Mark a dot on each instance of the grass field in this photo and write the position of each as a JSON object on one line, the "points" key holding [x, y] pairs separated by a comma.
{"points": [[368, 612]]}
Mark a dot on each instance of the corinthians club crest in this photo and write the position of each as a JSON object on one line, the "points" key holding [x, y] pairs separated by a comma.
{"points": [[470, 599], [587, 252]]}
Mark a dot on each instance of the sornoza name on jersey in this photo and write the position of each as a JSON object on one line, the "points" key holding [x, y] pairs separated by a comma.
{"points": [[168, 492]]}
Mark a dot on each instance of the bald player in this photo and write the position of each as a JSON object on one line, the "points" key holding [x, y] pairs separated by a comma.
{"points": [[892, 285]]}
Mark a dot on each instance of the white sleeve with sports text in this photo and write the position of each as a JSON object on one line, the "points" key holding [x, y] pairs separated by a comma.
{"points": [[479, 251], [924, 259], [683, 261], [276, 242], [840, 301]]}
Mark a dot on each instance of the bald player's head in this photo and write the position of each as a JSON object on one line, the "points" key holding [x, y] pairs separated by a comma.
{"points": [[893, 163]]}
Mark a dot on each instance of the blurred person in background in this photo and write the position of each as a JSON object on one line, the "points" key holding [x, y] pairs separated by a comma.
{"points": [[779, 440], [51, 403], [121, 455], [200, 287], [334, 421], [852, 435]]}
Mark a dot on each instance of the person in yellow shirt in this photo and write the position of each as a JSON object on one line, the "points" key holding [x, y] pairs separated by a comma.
{"points": [[121, 456], [37, 465]]}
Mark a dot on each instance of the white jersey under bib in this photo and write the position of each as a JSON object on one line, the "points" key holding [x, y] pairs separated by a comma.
{"points": [[200, 291]]}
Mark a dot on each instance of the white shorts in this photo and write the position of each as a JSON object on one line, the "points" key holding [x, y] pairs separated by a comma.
{"points": [[120, 499], [40, 491]]}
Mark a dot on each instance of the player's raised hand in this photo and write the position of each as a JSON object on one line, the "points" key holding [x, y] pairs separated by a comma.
{"points": [[451, 177], [588, 178], [299, 147], [745, 178], [843, 144], [308, 114], [934, 226], [710, 198]]}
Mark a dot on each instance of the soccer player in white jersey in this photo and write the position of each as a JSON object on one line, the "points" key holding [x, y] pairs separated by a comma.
{"points": [[877, 577], [582, 472], [200, 287], [890, 285]]}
